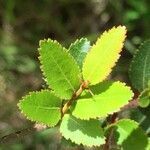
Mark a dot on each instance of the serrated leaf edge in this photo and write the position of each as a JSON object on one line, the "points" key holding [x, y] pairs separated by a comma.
{"points": [[76, 41], [22, 112], [79, 143], [134, 56], [117, 57], [117, 110], [131, 121], [121, 120], [41, 66]]}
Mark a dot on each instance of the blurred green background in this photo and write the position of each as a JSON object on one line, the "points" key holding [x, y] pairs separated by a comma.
{"points": [[24, 23]]}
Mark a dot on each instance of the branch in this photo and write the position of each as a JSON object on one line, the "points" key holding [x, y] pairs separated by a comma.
{"points": [[83, 86], [21, 134], [16, 135], [132, 104], [38, 127]]}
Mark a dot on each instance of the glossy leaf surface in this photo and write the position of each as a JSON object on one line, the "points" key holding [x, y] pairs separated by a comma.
{"points": [[108, 98], [103, 55]]}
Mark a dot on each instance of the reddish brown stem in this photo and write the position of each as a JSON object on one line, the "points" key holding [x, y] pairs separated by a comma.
{"points": [[83, 86]]}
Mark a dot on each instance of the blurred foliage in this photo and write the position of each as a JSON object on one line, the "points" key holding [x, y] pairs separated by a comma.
{"points": [[24, 23]]}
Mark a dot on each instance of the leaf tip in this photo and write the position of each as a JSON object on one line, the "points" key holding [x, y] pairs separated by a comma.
{"points": [[41, 42]]}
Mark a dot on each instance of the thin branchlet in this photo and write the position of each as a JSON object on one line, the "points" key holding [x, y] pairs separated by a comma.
{"points": [[84, 85]]}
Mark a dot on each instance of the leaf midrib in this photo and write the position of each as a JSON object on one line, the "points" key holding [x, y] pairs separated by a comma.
{"points": [[96, 98], [68, 81], [78, 124], [104, 53], [46, 108]]}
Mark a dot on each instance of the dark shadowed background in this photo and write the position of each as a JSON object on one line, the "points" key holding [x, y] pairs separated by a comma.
{"points": [[24, 23]]}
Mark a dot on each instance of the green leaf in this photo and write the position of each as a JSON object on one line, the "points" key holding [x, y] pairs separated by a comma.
{"points": [[144, 98], [129, 135], [140, 115], [140, 67], [60, 69], [79, 49], [103, 55], [88, 133], [148, 147], [43, 107], [108, 98]]}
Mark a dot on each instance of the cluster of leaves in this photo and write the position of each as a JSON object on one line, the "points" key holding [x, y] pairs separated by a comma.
{"points": [[78, 98]]}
